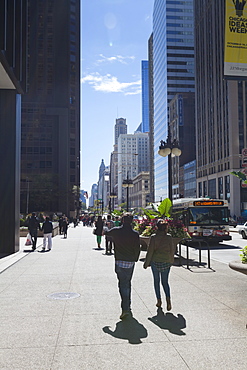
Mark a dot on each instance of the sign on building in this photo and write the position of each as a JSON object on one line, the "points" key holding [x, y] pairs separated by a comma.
{"points": [[235, 59]]}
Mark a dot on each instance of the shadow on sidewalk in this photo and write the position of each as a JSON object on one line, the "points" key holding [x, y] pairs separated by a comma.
{"points": [[169, 322], [129, 329]]}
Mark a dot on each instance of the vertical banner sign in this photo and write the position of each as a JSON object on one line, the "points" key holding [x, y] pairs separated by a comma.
{"points": [[235, 63]]}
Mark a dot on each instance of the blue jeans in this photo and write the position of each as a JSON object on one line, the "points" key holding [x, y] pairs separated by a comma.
{"points": [[164, 281], [124, 276]]}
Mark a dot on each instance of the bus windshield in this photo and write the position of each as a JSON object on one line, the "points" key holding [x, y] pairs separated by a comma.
{"points": [[208, 216]]}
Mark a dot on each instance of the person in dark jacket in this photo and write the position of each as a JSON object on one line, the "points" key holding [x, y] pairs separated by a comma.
{"points": [[47, 227], [65, 225], [108, 239], [126, 252], [60, 223], [33, 227], [99, 224]]}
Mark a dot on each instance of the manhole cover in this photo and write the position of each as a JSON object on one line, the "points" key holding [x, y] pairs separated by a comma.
{"points": [[63, 295]]}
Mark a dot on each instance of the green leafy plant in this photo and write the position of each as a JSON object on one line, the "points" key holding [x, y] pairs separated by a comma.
{"points": [[240, 175], [164, 207], [244, 255]]}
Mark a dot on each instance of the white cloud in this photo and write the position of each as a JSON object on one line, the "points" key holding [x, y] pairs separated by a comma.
{"points": [[110, 84], [116, 58]]}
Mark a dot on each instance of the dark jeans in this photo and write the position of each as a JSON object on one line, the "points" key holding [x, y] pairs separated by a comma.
{"points": [[124, 276], [164, 281], [34, 236], [108, 244]]}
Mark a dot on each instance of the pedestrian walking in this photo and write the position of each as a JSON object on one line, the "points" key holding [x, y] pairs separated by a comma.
{"points": [[99, 224], [33, 227], [126, 253], [47, 228], [60, 224], [108, 239], [117, 222], [160, 255], [65, 225]]}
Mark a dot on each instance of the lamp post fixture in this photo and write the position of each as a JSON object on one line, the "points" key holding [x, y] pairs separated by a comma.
{"points": [[112, 197], [128, 183], [169, 149]]}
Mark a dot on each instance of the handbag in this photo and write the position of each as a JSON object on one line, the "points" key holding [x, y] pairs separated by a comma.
{"points": [[94, 231], [28, 241]]}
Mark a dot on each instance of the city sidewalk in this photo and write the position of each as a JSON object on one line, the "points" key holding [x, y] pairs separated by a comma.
{"points": [[60, 310]]}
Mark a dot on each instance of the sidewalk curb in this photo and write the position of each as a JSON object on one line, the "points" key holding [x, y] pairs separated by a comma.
{"points": [[12, 259]]}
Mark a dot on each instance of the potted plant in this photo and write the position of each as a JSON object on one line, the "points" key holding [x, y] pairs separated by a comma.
{"points": [[240, 266], [176, 229]]}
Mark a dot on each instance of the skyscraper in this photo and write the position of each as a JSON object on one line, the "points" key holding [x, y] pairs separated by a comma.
{"points": [[133, 158], [173, 71], [151, 116], [145, 96], [13, 69], [221, 118], [120, 128], [50, 147]]}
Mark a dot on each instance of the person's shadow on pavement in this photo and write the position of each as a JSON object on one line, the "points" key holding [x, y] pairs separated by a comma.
{"points": [[129, 329], [169, 322]]}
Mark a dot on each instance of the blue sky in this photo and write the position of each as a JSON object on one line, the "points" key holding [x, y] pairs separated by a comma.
{"points": [[115, 37]]}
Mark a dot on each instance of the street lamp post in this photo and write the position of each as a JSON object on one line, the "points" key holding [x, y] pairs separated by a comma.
{"points": [[112, 197], [128, 183], [169, 149]]}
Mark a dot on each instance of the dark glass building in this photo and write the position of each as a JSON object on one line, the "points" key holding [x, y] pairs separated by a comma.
{"points": [[221, 112], [50, 143], [13, 66], [145, 96]]}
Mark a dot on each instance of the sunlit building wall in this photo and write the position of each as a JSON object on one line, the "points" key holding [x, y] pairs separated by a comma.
{"points": [[173, 72], [221, 113]]}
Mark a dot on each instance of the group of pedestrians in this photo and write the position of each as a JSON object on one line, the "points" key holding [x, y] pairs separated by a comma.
{"points": [[34, 227], [160, 256], [101, 226]]}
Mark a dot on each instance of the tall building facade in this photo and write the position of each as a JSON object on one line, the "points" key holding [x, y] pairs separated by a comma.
{"points": [[182, 128], [145, 96], [151, 116], [50, 145], [133, 158], [103, 186], [119, 129], [221, 113], [13, 74], [173, 71], [93, 196]]}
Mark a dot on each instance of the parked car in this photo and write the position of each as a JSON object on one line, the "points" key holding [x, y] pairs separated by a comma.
{"points": [[232, 222], [243, 230]]}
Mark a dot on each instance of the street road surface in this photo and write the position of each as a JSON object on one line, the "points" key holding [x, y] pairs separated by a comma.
{"points": [[226, 251]]}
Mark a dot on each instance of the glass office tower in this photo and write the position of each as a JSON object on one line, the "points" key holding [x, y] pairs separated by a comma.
{"points": [[145, 96], [173, 68]]}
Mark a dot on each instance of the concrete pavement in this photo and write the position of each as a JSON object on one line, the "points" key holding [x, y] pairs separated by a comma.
{"points": [[60, 310]]}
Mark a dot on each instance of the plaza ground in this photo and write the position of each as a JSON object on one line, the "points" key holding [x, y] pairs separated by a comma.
{"points": [[81, 329]]}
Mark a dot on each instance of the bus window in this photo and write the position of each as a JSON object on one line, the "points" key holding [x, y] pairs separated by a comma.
{"points": [[208, 216]]}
